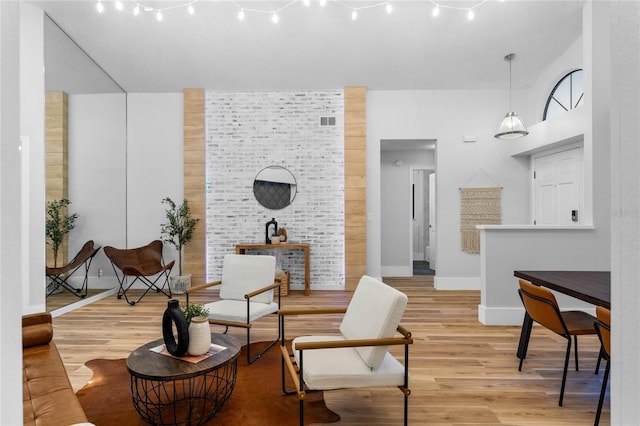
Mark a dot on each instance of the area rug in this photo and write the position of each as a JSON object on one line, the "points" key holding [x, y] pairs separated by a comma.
{"points": [[257, 398]]}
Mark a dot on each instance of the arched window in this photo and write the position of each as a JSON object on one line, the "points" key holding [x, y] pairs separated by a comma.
{"points": [[566, 95]]}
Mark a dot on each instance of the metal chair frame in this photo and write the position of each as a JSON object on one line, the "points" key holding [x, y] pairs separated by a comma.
{"points": [[247, 325], [132, 271], [60, 276]]}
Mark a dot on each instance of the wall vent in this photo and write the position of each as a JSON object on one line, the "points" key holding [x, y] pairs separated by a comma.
{"points": [[327, 121]]}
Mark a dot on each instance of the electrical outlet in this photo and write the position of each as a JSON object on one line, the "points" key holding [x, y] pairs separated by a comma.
{"points": [[100, 273]]}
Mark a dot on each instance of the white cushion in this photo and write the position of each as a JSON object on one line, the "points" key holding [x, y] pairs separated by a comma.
{"points": [[344, 367], [374, 312], [236, 310], [242, 274]]}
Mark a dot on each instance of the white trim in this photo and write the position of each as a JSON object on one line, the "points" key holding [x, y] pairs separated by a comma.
{"points": [[83, 302], [534, 227], [500, 316], [456, 283], [509, 316], [333, 287]]}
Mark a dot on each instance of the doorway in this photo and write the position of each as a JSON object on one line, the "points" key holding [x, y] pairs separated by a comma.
{"points": [[401, 231], [423, 220]]}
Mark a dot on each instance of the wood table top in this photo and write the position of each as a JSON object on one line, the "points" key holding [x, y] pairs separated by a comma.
{"points": [[590, 286], [147, 364]]}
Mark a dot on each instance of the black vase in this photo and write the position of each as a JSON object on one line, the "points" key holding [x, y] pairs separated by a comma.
{"points": [[173, 315]]}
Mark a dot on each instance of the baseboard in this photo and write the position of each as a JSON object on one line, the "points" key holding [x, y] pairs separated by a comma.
{"points": [[509, 316], [334, 287], [397, 271], [456, 283], [500, 316], [83, 302]]}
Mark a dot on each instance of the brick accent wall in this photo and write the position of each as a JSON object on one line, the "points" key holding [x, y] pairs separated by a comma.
{"points": [[247, 131]]}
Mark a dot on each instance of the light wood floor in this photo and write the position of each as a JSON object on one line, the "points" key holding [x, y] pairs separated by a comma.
{"points": [[462, 373]]}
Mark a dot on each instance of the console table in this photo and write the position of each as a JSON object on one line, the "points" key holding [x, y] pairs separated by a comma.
{"points": [[241, 248]]}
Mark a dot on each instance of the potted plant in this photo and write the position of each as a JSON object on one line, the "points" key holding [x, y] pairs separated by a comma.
{"points": [[194, 310], [178, 231], [58, 223]]}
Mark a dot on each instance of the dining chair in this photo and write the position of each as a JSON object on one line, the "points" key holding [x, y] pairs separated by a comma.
{"points": [[603, 328], [541, 306]]}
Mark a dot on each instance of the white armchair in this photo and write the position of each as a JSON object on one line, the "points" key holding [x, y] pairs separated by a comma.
{"points": [[246, 294], [359, 357]]}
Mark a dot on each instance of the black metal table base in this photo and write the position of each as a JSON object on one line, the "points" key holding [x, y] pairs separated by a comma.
{"points": [[190, 401]]}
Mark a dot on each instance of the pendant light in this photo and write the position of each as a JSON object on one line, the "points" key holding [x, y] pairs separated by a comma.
{"points": [[511, 126]]}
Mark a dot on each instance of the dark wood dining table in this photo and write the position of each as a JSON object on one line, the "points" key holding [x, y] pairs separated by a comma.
{"points": [[590, 286]]}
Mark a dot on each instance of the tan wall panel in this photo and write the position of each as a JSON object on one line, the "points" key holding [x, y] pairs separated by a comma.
{"points": [[56, 159], [355, 184], [194, 180], [192, 158], [355, 207], [356, 169], [193, 144], [193, 132]]}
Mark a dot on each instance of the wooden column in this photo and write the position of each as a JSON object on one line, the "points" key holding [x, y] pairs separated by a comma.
{"points": [[355, 187], [57, 156], [194, 182]]}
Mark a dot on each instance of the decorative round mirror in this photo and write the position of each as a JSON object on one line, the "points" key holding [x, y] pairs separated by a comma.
{"points": [[274, 187]]}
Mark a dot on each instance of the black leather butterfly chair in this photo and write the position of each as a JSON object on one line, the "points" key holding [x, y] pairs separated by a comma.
{"points": [[60, 276], [143, 264]]}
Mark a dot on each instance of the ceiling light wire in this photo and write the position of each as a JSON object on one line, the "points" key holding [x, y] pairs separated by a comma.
{"points": [[150, 7]]}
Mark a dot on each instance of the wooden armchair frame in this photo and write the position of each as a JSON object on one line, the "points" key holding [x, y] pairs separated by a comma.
{"points": [[296, 371], [246, 325]]}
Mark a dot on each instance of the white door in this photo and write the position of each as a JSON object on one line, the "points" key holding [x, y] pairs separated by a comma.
{"points": [[431, 252], [558, 188]]}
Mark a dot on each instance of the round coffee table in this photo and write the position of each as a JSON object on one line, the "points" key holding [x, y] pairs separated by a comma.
{"points": [[170, 391]]}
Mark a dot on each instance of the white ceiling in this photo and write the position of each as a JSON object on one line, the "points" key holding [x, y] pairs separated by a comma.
{"points": [[320, 47]]}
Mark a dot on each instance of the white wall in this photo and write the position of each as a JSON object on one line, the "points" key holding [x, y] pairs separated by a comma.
{"points": [[529, 248], [625, 208], [396, 208], [154, 164], [12, 281], [32, 131], [539, 91], [97, 177], [446, 116]]}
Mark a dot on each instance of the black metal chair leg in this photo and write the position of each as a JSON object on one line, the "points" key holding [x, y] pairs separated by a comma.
{"points": [[603, 391], [525, 335], [262, 352], [601, 355], [564, 373], [575, 350]]}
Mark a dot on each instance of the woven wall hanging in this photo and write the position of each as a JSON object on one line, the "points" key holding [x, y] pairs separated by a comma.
{"points": [[478, 206]]}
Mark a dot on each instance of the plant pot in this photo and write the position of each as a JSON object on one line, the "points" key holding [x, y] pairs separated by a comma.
{"points": [[199, 336], [275, 240], [179, 283]]}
